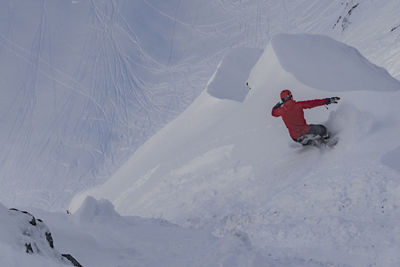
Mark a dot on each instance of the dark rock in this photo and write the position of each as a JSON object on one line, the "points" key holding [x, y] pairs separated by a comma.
{"points": [[351, 10], [72, 260], [346, 17], [33, 221], [395, 28], [28, 247], [34, 236], [49, 239]]}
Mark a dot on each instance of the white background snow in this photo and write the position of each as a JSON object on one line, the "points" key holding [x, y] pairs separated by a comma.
{"points": [[86, 83]]}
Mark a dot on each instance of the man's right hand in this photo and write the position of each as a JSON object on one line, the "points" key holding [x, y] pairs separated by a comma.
{"points": [[278, 105]]}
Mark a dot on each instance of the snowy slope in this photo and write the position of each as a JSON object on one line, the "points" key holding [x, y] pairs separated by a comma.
{"points": [[27, 241], [84, 83], [98, 236], [231, 166]]}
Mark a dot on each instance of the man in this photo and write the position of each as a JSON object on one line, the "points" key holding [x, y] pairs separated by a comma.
{"points": [[293, 116]]}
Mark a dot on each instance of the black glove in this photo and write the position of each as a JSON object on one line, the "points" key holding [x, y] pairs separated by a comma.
{"points": [[331, 100], [278, 105]]}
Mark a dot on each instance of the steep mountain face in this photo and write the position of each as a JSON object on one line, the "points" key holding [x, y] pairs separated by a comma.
{"points": [[231, 166], [84, 83], [98, 236], [27, 241]]}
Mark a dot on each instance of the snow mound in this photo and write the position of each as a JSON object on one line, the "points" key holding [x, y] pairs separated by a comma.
{"points": [[325, 64], [93, 210], [27, 241], [227, 165], [216, 148], [228, 81], [148, 242]]}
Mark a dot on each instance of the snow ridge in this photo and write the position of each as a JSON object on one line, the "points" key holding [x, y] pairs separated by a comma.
{"points": [[20, 233], [236, 169]]}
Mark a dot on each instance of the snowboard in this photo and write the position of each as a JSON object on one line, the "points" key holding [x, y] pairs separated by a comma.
{"points": [[329, 142], [320, 142]]}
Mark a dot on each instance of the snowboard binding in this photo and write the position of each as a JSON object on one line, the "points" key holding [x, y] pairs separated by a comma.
{"points": [[317, 140]]}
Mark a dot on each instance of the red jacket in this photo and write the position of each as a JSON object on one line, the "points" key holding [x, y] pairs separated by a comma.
{"points": [[293, 115]]}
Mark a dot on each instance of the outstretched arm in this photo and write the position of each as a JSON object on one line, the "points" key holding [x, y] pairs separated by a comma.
{"points": [[319, 102], [313, 103]]}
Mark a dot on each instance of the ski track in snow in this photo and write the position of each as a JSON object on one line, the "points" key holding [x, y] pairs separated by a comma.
{"points": [[86, 83], [315, 203], [104, 69]]}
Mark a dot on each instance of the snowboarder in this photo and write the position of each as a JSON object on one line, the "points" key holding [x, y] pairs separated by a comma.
{"points": [[293, 116]]}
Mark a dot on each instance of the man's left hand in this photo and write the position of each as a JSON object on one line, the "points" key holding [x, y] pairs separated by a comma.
{"points": [[331, 100]]}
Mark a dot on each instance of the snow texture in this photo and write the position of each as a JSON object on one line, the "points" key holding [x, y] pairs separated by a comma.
{"points": [[392, 159], [84, 84], [232, 167], [98, 236], [27, 241], [227, 81], [318, 61]]}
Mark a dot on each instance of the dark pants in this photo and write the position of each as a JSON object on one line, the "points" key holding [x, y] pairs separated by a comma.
{"points": [[316, 131]]}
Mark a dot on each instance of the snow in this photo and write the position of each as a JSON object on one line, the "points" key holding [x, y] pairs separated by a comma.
{"points": [[227, 81], [392, 158], [93, 210], [231, 166], [85, 84], [327, 60], [17, 229], [97, 236]]}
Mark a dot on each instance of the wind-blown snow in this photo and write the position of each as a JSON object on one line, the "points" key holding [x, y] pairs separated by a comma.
{"points": [[84, 83], [233, 166], [318, 61], [227, 81], [97, 236]]}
